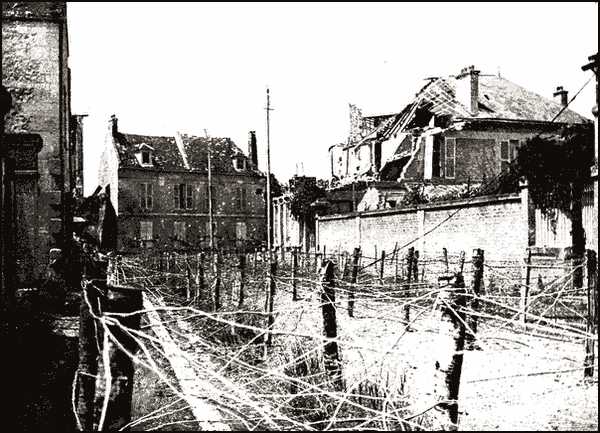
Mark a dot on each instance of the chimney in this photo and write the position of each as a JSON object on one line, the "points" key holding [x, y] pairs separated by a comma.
{"points": [[467, 89], [252, 154], [113, 125], [561, 96]]}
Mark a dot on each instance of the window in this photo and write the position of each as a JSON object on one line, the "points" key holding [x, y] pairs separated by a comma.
{"points": [[145, 157], [179, 229], [508, 152], [183, 196], [240, 198], [240, 231], [145, 195], [450, 158], [146, 230], [239, 163]]}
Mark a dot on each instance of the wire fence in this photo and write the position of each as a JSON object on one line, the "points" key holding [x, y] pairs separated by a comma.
{"points": [[387, 336]]}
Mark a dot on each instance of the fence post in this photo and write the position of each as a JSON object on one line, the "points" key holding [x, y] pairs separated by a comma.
{"points": [[88, 356], [217, 273], [272, 272], [461, 262], [478, 260], [117, 299], [592, 305], [525, 289], [449, 356], [330, 349], [353, 281], [294, 271], [445, 252], [416, 265], [396, 266], [381, 266], [242, 267], [188, 279], [409, 263]]}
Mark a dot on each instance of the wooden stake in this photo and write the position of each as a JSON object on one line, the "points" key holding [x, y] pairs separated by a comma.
{"points": [[270, 300], [525, 289], [592, 305], [449, 356], [353, 281], [242, 267], [478, 259], [216, 259], [294, 272], [382, 267], [416, 265], [330, 349]]}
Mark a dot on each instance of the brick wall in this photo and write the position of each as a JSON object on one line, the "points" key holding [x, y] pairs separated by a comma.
{"points": [[493, 224]]}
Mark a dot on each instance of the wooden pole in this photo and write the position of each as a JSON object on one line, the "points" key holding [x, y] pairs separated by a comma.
{"points": [[409, 265], [330, 349], [476, 283], [382, 267], [200, 277], [294, 272], [445, 252], [216, 260], [525, 289], [353, 281], [242, 267], [449, 356], [592, 304], [117, 299], [416, 265], [188, 279], [270, 300]]}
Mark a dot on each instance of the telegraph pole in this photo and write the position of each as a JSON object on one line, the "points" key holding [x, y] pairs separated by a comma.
{"points": [[210, 211], [268, 109]]}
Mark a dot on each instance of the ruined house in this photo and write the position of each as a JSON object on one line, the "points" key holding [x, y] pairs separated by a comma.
{"points": [[159, 188], [457, 133]]}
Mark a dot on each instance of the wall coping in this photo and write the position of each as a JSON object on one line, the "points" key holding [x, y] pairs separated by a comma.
{"points": [[478, 201]]}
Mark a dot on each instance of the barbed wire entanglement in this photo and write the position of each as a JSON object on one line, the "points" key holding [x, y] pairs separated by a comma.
{"points": [[376, 369]]}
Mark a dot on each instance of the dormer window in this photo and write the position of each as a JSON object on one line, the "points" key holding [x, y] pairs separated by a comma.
{"points": [[144, 155], [239, 162]]}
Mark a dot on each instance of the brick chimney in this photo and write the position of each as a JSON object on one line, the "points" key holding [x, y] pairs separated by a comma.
{"points": [[561, 96], [467, 89], [252, 153], [113, 125]]}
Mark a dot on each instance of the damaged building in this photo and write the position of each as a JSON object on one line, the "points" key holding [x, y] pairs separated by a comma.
{"points": [[456, 134], [159, 188]]}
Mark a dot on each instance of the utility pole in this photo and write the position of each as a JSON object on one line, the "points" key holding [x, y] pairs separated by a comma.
{"points": [[210, 212], [268, 109]]}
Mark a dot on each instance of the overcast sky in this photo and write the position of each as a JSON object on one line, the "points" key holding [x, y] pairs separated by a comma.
{"points": [[162, 67]]}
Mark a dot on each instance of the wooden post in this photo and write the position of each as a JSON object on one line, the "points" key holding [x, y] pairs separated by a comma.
{"points": [[592, 305], [270, 300], [330, 349], [445, 252], [316, 260], [396, 266], [242, 268], [409, 265], [294, 272], [216, 260], [406, 310], [188, 280], [117, 299], [449, 356], [525, 289], [461, 263], [382, 266], [353, 281], [416, 265], [88, 356], [478, 260]]}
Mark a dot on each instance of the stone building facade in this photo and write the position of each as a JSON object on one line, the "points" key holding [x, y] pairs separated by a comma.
{"points": [[159, 188], [35, 72]]}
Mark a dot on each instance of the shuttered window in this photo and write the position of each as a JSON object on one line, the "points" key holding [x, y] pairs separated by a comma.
{"points": [[145, 195], [146, 230], [450, 158], [183, 196], [179, 230]]}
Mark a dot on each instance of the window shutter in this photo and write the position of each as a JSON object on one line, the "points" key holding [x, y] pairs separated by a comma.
{"points": [[189, 197], [176, 196], [149, 196], [141, 195]]}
